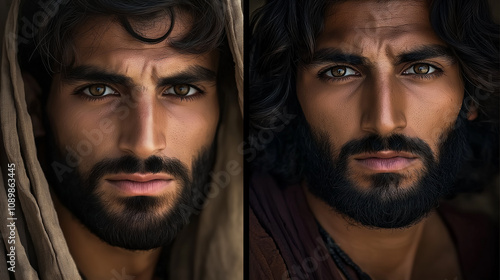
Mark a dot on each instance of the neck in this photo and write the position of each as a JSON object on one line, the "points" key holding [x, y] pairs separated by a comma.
{"points": [[96, 259], [382, 253]]}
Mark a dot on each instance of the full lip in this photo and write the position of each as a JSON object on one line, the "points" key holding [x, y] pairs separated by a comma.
{"points": [[139, 184], [385, 161], [138, 177], [385, 155]]}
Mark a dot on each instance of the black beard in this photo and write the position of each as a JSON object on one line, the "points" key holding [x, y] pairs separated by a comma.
{"points": [[384, 204], [138, 226]]}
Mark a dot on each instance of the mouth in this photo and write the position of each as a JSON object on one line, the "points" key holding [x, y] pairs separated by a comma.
{"points": [[385, 161], [138, 184]]}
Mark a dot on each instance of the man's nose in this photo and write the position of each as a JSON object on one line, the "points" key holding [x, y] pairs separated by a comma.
{"points": [[143, 129], [383, 106]]}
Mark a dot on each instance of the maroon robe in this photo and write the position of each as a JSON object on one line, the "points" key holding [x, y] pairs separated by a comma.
{"points": [[285, 242]]}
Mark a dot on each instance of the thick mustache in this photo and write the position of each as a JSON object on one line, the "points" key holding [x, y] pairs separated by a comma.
{"points": [[396, 142], [131, 164]]}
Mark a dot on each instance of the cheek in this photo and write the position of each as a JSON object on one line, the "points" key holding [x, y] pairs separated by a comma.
{"points": [[430, 109], [92, 133], [430, 117], [327, 110], [192, 128], [434, 129], [79, 131]]}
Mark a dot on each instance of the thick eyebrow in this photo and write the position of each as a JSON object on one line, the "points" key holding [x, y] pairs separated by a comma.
{"points": [[426, 52], [330, 55], [94, 74], [192, 74]]}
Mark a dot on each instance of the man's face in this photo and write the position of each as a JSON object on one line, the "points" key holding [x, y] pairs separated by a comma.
{"points": [[139, 120], [381, 94]]}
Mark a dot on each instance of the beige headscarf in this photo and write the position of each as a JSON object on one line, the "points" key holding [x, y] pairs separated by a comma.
{"points": [[211, 247]]}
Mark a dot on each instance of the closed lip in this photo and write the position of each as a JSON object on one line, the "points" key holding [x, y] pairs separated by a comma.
{"points": [[385, 155], [139, 177], [141, 184], [386, 161]]}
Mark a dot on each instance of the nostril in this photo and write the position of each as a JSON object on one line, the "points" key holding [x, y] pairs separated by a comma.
{"points": [[142, 137]]}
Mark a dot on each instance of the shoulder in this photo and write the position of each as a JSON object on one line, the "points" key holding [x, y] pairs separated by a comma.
{"points": [[476, 239]]}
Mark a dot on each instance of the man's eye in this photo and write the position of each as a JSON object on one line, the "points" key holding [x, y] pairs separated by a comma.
{"points": [[340, 71], [182, 90], [420, 69], [98, 90]]}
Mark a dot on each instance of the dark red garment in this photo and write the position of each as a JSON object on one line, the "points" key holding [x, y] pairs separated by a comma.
{"points": [[285, 242]]}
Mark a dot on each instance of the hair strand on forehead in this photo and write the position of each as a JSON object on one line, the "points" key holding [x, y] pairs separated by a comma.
{"points": [[55, 37]]}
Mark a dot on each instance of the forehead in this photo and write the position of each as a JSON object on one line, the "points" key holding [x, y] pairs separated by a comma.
{"points": [[103, 39], [356, 24]]}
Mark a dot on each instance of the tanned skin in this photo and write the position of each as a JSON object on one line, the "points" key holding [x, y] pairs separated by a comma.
{"points": [[384, 92], [159, 122]]}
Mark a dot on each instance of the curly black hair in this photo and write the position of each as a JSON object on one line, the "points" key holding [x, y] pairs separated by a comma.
{"points": [[46, 28]]}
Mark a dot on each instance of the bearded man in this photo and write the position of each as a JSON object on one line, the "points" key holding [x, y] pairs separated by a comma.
{"points": [[129, 103], [362, 114]]}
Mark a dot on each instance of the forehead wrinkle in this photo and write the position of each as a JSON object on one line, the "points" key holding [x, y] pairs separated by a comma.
{"points": [[394, 28], [147, 65], [360, 34], [154, 74], [373, 44], [148, 68], [387, 34], [379, 13]]}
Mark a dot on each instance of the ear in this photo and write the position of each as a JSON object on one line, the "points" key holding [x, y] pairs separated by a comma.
{"points": [[33, 97], [472, 110]]}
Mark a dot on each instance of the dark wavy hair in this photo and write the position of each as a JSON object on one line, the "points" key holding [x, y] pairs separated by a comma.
{"points": [[46, 28], [283, 36]]}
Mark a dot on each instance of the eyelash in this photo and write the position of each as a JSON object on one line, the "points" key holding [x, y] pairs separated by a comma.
{"points": [[199, 93], [323, 76], [322, 73], [79, 91], [437, 71]]}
